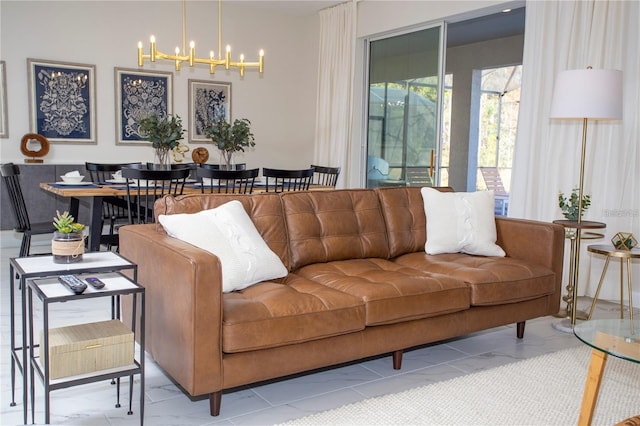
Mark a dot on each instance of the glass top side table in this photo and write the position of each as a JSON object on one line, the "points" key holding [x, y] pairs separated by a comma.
{"points": [[617, 337]]}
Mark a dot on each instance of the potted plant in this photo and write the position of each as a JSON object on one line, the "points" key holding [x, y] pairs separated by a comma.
{"points": [[229, 138], [570, 206], [68, 239], [164, 132]]}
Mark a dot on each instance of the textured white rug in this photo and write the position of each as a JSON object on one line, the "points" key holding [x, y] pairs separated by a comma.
{"points": [[545, 390]]}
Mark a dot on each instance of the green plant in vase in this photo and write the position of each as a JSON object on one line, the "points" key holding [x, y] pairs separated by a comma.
{"points": [[570, 205], [164, 132], [229, 138], [67, 245]]}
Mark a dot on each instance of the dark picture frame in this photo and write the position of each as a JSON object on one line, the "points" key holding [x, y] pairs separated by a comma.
{"points": [[139, 93], [62, 101], [4, 114], [204, 95]]}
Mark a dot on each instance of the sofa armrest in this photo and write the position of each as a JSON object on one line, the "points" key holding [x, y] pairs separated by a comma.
{"points": [[537, 242], [183, 288]]}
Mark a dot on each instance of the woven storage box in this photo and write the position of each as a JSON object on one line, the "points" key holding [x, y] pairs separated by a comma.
{"points": [[86, 348]]}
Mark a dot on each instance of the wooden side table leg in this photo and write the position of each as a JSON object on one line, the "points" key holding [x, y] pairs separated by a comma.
{"points": [[592, 387]]}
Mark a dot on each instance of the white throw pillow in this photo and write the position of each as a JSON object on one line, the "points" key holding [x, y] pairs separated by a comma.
{"points": [[460, 222], [228, 232]]}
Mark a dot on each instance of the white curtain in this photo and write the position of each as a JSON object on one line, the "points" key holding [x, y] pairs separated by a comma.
{"points": [[562, 35], [335, 86]]}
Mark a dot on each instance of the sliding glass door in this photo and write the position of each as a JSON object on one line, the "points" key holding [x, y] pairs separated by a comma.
{"points": [[403, 116]]}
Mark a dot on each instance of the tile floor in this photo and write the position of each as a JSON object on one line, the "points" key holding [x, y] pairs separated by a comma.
{"points": [[266, 403]]}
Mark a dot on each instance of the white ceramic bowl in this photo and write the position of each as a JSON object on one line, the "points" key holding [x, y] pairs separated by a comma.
{"points": [[72, 179]]}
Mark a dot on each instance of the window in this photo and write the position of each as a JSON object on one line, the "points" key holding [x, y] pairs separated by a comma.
{"points": [[403, 109]]}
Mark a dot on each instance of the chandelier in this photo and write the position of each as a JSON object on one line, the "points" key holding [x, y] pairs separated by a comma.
{"points": [[190, 56]]}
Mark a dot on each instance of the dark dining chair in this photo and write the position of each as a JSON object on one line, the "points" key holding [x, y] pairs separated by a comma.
{"points": [[11, 177], [228, 181], [145, 186], [191, 166], [114, 209], [325, 176], [239, 166], [282, 180]]}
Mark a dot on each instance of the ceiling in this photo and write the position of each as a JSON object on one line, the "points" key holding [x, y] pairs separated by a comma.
{"points": [[289, 7], [486, 27], [467, 31]]}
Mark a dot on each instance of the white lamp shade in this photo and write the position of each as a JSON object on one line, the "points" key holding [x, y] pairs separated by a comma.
{"points": [[588, 93]]}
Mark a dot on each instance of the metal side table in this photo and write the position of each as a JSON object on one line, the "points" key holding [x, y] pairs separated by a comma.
{"points": [[23, 268], [623, 255], [575, 232], [48, 291]]}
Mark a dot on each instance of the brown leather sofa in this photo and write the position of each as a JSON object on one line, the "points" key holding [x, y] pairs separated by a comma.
{"points": [[359, 285]]}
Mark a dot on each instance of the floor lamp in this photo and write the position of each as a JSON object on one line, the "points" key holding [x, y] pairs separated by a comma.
{"points": [[585, 94]]}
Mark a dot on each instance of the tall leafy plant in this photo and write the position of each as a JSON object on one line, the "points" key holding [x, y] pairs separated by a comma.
{"points": [[229, 138], [164, 132]]}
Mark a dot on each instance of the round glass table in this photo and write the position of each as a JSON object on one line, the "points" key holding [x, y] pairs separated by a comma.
{"points": [[617, 337]]}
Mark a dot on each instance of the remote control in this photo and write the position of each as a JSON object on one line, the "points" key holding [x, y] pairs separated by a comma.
{"points": [[73, 283], [95, 282]]}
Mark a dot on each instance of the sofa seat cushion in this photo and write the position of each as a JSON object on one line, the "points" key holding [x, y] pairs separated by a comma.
{"points": [[493, 280], [288, 311], [391, 292]]}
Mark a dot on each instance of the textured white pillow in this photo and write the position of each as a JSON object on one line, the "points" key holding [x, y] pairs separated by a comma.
{"points": [[228, 232], [460, 222]]}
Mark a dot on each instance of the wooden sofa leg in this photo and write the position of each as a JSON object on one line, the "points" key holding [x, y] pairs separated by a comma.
{"points": [[397, 360], [521, 329], [215, 399]]}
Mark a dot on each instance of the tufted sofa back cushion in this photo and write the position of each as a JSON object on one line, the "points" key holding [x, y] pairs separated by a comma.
{"points": [[265, 210], [324, 226], [403, 211]]}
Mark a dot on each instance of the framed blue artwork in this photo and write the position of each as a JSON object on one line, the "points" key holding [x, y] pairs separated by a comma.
{"points": [[62, 101], [204, 97], [139, 94]]}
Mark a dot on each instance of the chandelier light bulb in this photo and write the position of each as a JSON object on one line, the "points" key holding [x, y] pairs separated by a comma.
{"points": [[190, 55]]}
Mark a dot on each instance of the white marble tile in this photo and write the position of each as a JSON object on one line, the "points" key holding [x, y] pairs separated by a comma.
{"points": [[308, 385]]}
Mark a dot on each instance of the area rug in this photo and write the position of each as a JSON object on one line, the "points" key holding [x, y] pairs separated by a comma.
{"points": [[546, 390]]}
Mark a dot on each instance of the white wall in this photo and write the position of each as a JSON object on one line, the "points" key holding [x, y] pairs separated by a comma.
{"points": [[280, 103]]}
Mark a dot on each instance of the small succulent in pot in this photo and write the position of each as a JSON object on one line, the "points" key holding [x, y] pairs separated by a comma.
{"points": [[65, 223], [67, 245]]}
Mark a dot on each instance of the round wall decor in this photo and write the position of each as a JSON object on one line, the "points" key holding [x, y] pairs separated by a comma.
{"points": [[35, 155], [200, 155]]}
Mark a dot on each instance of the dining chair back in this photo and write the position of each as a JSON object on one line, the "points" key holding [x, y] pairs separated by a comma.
{"points": [[227, 181], [11, 177], [325, 176], [145, 186], [191, 166], [281, 180], [114, 209], [239, 166]]}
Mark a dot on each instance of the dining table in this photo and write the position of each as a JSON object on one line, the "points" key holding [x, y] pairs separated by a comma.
{"points": [[96, 192]]}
